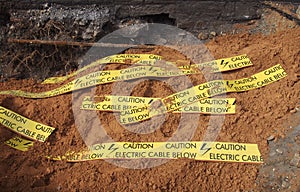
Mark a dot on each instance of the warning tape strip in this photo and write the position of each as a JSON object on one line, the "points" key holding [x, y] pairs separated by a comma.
{"points": [[19, 143], [197, 150], [123, 103], [203, 91], [220, 65], [102, 77], [119, 58], [24, 126]]}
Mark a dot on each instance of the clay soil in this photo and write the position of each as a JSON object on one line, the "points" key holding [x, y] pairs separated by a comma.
{"points": [[260, 113]]}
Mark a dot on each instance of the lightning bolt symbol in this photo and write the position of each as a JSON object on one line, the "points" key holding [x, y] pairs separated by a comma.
{"points": [[234, 102], [112, 149], [152, 69], [78, 81], [229, 106], [27, 143], [225, 64], [229, 85], [204, 149]]}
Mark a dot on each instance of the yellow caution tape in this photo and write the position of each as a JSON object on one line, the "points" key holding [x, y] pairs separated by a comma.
{"points": [[19, 143], [102, 77], [210, 106], [197, 150], [122, 103], [149, 59], [24, 126], [221, 65], [225, 64], [203, 91], [115, 103]]}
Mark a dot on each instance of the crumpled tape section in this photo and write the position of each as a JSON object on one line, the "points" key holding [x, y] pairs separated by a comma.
{"points": [[24, 126], [103, 77], [203, 91], [197, 150], [225, 64], [120, 58], [222, 65], [19, 143]]}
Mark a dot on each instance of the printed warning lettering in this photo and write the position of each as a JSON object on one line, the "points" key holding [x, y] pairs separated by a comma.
{"points": [[197, 150]]}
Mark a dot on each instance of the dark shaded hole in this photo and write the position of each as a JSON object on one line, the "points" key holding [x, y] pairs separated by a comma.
{"points": [[4, 16], [163, 18], [108, 27]]}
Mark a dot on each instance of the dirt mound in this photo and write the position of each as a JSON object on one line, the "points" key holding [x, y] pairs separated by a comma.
{"points": [[261, 113]]}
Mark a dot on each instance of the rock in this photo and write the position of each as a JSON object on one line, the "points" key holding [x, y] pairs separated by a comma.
{"points": [[154, 187], [213, 34], [298, 11], [271, 138], [296, 160], [182, 34], [251, 22], [87, 36], [293, 111], [59, 188], [279, 151], [96, 32], [202, 36], [285, 184]]}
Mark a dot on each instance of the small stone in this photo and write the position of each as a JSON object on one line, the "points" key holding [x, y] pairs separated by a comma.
{"points": [[46, 5], [279, 151], [96, 32], [82, 22], [59, 187], [251, 22], [48, 170], [89, 30], [296, 160], [202, 36], [154, 187], [270, 138], [293, 111], [182, 34], [213, 34], [285, 183], [86, 36], [298, 11]]}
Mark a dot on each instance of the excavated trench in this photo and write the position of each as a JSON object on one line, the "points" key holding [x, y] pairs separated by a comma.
{"points": [[42, 39]]}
